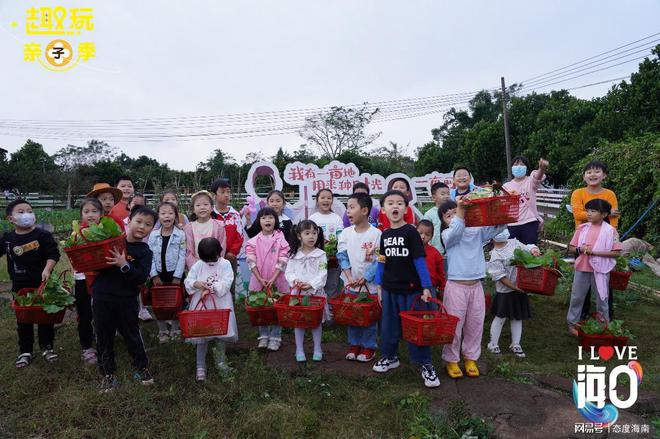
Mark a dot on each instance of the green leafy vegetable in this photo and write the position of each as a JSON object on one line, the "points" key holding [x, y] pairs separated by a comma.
{"points": [[260, 298], [330, 247], [622, 264], [363, 297], [594, 326], [53, 299], [107, 228], [524, 258], [306, 301]]}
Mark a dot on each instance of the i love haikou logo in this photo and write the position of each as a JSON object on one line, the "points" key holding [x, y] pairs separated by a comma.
{"points": [[594, 385]]}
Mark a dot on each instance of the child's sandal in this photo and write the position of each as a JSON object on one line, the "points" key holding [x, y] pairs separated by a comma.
{"points": [[23, 360], [50, 355], [454, 371], [471, 369]]}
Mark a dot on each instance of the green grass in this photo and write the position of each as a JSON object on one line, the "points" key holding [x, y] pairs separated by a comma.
{"points": [[551, 351], [647, 278], [257, 401]]}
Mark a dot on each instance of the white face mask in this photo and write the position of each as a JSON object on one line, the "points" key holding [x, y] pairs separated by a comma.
{"points": [[25, 220]]}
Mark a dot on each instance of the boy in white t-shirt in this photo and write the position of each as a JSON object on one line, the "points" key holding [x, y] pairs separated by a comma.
{"points": [[356, 253]]}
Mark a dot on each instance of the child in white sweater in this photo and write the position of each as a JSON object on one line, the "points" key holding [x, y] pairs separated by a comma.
{"points": [[209, 281]]}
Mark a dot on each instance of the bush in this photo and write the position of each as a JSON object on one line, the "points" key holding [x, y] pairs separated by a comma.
{"points": [[634, 175]]}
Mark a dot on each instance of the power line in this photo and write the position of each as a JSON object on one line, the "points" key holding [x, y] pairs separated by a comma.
{"points": [[593, 65], [253, 115], [592, 57], [585, 74]]}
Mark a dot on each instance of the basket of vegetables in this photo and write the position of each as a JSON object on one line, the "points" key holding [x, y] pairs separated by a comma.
{"points": [[596, 332], [428, 328], [491, 206], [620, 276], [259, 306], [537, 274], [88, 247], [298, 311], [355, 309], [166, 300], [44, 305], [203, 321], [330, 249]]}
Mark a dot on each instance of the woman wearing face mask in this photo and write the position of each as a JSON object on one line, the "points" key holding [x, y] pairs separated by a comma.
{"points": [[526, 230]]}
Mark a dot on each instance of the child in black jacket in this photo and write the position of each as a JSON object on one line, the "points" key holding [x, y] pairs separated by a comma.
{"points": [[31, 255], [115, 306]]}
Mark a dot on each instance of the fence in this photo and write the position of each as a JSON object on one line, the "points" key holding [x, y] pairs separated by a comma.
{"points": [[548, 200]]}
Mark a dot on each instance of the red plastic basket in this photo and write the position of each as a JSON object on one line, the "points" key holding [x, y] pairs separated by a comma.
{"points": [[539, 280], [598, 340], [438, 329], [619, 280], [91, 257], [262, 315], [355, 314], [35, 314], [298, 316], [204, 322], [492, 211], [90, 277], [166, 301]]}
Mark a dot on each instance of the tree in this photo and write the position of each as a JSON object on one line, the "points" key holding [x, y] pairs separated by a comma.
{"points": [[73, 158], [4, 170], [32, 169], [339, 130]]}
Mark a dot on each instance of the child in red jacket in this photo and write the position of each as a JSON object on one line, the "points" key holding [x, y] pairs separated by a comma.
{"points": [[434, 261]]}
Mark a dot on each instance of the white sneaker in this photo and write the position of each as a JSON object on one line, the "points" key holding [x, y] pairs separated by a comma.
{"points": [[144, 315], [494, 349], [274, 344], [517, 351], [263, 342], [430, 377], [385, 364]]}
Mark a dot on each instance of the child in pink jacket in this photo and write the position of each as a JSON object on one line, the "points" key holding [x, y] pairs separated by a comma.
{"points": [[202, 226], [267, 256]]}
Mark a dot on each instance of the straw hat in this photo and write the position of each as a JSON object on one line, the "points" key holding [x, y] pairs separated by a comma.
{"points": [[99, 188]]}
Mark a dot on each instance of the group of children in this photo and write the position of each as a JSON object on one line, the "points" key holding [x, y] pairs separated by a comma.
{"points": [[383, 251]]}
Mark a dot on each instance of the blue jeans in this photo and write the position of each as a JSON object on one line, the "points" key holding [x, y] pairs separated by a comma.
{"points": [[273, 331], [363, 336], [390, 328]]}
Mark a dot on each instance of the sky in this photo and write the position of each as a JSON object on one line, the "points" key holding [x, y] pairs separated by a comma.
{"points": [[173, 59]]}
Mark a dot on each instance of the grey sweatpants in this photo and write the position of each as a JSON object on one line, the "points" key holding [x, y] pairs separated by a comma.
{"points": [[582, 280]]}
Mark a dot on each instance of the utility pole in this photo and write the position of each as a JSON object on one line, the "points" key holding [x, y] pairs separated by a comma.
{"points": [[507, 140]]}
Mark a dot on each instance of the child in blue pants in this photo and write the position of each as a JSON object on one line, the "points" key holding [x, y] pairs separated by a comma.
{"points": [[402, 274], [356, 253]]}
